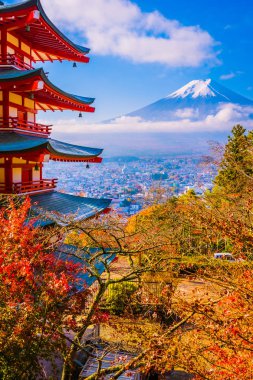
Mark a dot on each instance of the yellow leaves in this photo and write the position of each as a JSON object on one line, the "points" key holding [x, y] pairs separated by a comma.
{"points": [[142, 220], [74, 238]]}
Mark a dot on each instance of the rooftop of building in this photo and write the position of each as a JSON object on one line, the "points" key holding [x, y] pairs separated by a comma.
{"points": [[60, 208], [22, 144], [82, 256]]}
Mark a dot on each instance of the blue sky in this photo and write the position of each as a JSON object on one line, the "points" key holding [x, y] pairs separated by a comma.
{"points": [[142, 50], [121, 85]]}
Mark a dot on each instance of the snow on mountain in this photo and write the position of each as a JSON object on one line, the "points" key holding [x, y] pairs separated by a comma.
{"points": [[207, 89], [195, 101], [194, 89]]}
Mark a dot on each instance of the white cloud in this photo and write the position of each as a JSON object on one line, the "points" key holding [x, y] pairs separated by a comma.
{"points": [[120, 28], [187, 113], [126, 120], [227, 76], [223, 120], [231, 113], [230, 75]]}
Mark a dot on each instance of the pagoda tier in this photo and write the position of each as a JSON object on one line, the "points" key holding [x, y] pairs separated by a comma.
{"points": [[29, 36], [24, 93], [22, 158], [30, 91]]}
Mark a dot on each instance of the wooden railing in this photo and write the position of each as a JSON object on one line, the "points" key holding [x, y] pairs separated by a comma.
{"points": [[3, 188], [28, 126], [28, 187], [16, 61]]}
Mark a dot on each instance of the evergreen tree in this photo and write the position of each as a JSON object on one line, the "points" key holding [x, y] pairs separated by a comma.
{"points": [[236, 168]]}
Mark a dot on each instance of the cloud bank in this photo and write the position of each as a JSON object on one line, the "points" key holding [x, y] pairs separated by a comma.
{"points": [[222, 120], [120, 28], [134, 136]]}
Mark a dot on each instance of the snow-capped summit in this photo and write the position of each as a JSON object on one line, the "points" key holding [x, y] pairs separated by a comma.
{"points": [[195, 89]]}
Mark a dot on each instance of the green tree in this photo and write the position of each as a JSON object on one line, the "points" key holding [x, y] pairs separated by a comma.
{"points": [[236, 168]]}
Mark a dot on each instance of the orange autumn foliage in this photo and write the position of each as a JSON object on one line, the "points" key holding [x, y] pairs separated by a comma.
{"points": [[35, 301]]}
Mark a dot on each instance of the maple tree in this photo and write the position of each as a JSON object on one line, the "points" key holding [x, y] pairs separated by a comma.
{"points": [[217, 341], [46, 307], [35, 299], [109, 234]]}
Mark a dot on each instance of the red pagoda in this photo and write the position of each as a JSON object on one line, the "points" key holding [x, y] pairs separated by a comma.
{"points": [[28, 36]]}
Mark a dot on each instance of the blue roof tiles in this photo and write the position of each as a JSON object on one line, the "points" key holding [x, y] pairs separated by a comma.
{"points": [[11, 142], [61, 207]]}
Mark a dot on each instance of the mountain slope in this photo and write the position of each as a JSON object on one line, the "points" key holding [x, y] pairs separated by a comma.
{"points": [[195, 100]]}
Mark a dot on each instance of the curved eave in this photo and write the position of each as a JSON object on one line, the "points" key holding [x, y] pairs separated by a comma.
{"points": [[14, 143], [68, 152], [50, 91], [78, 52]]}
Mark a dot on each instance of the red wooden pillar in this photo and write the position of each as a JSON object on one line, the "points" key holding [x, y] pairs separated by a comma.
{"points": [[6, 108], [8, 175], [4, 44], [5, 92], [41, 166]]}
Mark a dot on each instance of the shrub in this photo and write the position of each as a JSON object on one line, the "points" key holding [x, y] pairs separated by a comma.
{"points": [[118, 297]]}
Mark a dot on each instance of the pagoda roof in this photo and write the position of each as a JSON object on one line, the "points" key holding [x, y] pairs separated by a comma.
{"points": [[64, 207], [14, 143], [46, 40], [46, 95]]}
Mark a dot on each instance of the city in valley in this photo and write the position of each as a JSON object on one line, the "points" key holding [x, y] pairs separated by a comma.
{"points": [[133, 182]]}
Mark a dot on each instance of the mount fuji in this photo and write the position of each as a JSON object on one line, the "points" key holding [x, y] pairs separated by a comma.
{"points": [[195, 101], [184, 122]]}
